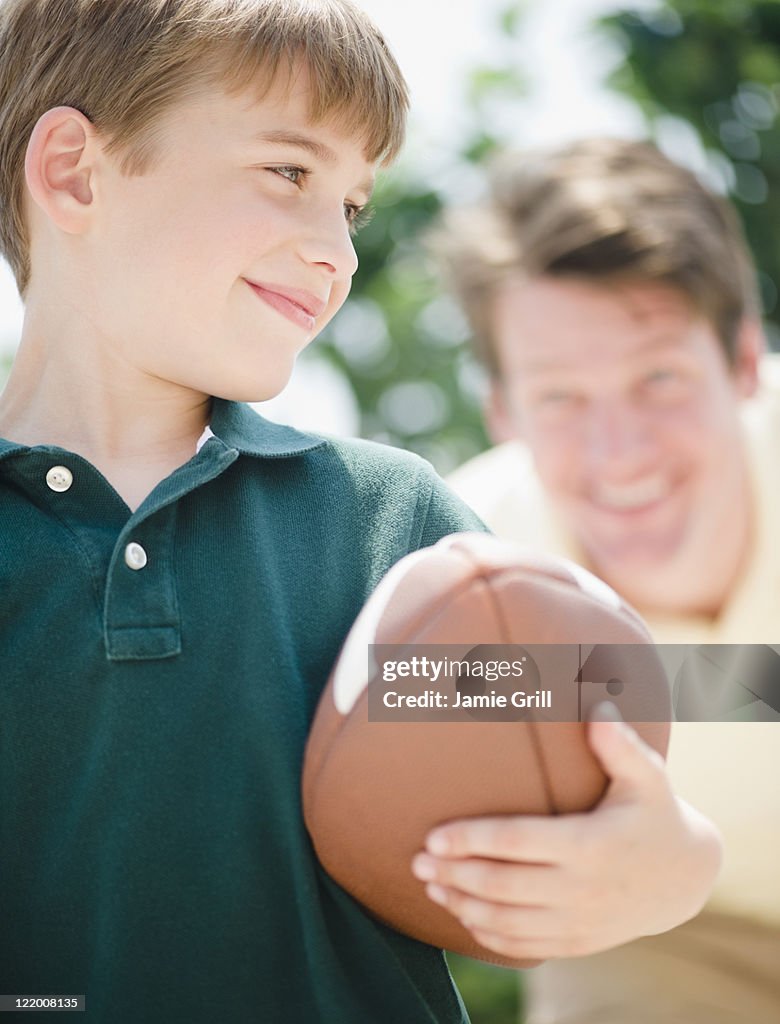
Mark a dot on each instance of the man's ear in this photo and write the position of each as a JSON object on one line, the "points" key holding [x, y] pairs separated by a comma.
{"points": [[750, 347], [500, 421], [58, 169]]}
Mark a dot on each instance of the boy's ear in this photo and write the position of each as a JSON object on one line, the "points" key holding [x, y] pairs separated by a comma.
{"points": [[750, 347], [500, 421], [57, 167]]}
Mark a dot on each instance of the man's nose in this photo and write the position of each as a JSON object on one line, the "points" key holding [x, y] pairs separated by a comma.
{"points": [[617, 433]]}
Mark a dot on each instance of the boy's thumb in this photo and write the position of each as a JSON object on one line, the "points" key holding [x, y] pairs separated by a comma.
{"points": [[622, 753]]}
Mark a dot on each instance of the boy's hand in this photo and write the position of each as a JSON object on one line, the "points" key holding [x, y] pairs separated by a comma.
{"points": [[530, 887]]}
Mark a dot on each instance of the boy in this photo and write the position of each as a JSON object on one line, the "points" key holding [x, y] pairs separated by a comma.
{"points": [[168, 618], [179, 180]]}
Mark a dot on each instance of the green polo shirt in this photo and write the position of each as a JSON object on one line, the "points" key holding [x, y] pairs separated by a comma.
{"points": [[158, 675]]}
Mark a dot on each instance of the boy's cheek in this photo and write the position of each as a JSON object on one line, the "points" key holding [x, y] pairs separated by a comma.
{"points": [[338, 296]]}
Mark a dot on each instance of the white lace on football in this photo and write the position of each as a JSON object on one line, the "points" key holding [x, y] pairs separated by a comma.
{"points": [[355, 666], [593, 585]]}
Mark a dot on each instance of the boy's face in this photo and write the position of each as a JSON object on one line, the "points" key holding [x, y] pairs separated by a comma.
{"points": [[630, 410], [217, 267]]}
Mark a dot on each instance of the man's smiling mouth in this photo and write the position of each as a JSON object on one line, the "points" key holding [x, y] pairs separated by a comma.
{"points": [[631, 497]]}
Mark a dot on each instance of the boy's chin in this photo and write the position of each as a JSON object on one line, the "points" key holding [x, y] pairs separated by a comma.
{"points": [[252, 395], [251, 389]]}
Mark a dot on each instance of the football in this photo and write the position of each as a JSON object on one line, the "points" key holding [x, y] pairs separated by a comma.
{"points": [[462, 690]]}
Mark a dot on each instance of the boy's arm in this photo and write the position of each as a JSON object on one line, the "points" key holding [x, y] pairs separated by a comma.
{"points": [[441, 511], [641, 862]]}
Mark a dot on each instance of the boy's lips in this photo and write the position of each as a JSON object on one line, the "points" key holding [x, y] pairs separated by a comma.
{"points": [[299, 306]]}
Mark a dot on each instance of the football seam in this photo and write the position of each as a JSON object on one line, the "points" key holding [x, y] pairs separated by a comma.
{"points": [[553, 576], [535, 740]]}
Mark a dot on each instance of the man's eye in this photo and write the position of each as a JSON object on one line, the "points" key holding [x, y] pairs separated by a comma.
{"points": [[556, 397], [662, 377]]}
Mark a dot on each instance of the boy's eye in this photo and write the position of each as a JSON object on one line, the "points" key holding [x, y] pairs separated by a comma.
{"points": [[357, 216], [292, 173]]}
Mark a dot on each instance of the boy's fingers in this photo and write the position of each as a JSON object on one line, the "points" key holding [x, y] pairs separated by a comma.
{"points": [[525, 838], [502, 882], [528, 947], [621, 751], [501, 918]]}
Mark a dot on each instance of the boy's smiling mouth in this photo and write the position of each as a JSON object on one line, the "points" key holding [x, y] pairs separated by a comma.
{"points": [[299, 306]]}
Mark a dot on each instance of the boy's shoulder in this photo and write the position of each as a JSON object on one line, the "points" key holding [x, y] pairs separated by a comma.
{"points": [[369, 482], [240, 426]]}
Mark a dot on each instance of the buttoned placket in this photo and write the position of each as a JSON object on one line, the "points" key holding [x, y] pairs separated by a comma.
{"points": [[129, 556]]}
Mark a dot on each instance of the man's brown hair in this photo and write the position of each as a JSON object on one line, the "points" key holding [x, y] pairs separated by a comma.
{"points": [[601, 210], [125, 63]]}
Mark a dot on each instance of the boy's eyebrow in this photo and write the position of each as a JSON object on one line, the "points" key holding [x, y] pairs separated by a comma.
{"points": [[317, 149]]}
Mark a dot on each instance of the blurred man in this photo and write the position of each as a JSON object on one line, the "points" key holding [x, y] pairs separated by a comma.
{"points": [[613, 302]]}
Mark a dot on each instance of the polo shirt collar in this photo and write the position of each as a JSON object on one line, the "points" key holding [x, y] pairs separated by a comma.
{"points": [[239, 426], [9, 447]]}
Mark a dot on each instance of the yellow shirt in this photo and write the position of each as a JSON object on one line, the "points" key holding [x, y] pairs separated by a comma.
{"points": [[729, 770]]}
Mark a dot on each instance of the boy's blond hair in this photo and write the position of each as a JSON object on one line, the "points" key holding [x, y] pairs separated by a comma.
{"points": [[125, 63], [601, 210]]}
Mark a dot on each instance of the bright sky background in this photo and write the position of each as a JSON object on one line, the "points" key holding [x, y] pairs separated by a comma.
{"points": [[436, 42]]}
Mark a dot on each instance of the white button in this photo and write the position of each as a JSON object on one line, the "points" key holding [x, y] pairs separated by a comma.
{"points": [[135, 556], [59, 478]]}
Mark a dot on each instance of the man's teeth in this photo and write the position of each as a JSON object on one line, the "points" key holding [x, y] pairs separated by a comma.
{"points": [[632, 495]]}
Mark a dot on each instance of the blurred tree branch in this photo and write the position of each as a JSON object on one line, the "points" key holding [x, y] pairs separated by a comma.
{"points": [[716, 66]]}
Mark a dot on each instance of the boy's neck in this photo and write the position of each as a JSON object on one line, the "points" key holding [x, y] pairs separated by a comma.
{"points": [[134, 430]]}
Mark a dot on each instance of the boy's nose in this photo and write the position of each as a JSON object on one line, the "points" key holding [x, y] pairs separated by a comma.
{"points": [[328, 244]]}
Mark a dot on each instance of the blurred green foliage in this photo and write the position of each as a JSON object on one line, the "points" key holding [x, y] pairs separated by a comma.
{"points": [[491, 994], [716, 66], [398, 341]]}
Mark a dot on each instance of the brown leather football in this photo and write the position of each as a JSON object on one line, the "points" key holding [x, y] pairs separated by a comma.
{"points": [[378, 777]]}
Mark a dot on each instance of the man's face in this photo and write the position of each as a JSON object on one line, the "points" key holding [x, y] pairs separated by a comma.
{"points": [[216, 268], [630, 410]]}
